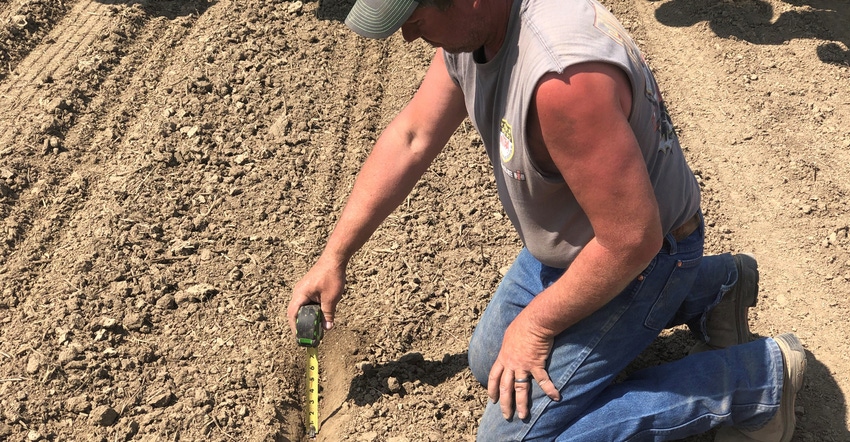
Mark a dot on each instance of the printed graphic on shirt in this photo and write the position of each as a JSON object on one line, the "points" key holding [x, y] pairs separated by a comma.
{"points": [[665, 126], [606, 23], [506, 141], [661, 120], [515, 174], [506, 150], [609, 26]]}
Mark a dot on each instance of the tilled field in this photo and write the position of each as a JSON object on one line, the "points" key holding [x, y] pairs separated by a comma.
{"points": [[169, 170]]}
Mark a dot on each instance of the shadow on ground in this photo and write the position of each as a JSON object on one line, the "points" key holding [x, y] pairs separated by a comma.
{"points": [[400, 377], [754, 21], [335, 10], [397, 377], [170, 9]]}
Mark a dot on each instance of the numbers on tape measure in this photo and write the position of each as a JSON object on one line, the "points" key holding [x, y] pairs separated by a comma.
{"points": [[312, 388]]}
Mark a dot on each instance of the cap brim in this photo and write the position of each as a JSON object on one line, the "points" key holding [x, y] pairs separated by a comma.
{"points": [[379, 18]]}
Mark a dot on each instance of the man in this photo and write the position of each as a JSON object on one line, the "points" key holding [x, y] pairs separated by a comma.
{"points": [[591, 174]]}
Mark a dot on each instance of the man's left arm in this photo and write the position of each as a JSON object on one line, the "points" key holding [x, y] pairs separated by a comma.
{"points": [[581, 115]]}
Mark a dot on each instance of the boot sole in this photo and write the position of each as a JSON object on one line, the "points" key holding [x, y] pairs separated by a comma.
{"points": [[794, 360]]}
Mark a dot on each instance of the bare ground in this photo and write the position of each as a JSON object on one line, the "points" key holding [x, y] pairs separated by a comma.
{"points": [[168, 170]]}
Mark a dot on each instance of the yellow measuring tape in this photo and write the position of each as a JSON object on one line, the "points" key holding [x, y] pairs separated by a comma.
{"points": [[313, 391], [308, 327]]}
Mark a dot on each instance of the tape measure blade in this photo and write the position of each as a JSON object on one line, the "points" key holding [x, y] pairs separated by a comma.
{"points": [[313, 390]]}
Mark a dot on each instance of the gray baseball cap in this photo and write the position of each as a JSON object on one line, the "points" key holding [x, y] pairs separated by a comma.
{"points": [[379, 18]]}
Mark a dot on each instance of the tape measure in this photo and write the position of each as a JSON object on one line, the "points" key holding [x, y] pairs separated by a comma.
{"points": [[308, 327]]}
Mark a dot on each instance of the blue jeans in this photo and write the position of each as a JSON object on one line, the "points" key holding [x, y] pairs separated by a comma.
{"points": [[741, 385]]}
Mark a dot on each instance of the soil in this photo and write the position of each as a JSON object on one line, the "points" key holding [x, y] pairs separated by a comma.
{"points": [[169, 170]]}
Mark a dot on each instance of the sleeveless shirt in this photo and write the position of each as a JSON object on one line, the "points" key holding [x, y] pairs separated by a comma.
{"points": [[547, 36]]}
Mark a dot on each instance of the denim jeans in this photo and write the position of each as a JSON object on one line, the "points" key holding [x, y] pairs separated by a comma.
{"points": [[740, 385]]}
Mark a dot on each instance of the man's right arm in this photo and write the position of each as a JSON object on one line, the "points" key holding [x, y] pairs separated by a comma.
{"points": [[401, 155]]}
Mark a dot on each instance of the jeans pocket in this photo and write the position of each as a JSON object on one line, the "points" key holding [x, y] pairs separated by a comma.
{"points": [[674, 292]]}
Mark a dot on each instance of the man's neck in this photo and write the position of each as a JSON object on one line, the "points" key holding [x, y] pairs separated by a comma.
{"points": [[500, 15]]}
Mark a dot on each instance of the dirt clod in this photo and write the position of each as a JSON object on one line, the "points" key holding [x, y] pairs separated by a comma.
{"points": [[103, 416], [161, 399], [78, 404], [34, 363], [166, 301]]}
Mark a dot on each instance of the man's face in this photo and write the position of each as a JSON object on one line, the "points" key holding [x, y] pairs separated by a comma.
{"points": [[455, 29]]}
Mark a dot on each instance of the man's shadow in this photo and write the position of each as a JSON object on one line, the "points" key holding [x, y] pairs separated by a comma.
{"points": [[398, 377], [752, 21], [335, 10], [821, 401], [170, 9]]}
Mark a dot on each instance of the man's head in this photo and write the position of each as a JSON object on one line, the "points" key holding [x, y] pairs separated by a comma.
{"points": [[381, 18]]}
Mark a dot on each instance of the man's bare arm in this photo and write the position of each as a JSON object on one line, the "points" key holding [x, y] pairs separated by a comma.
{"points": [[401, 155], [582, 116]]}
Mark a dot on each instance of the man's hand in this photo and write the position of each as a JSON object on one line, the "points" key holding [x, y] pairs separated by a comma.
{"points": [[324, 285], [522, 358]]}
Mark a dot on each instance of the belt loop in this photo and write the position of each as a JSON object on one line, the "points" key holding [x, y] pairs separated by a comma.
{"points": [[671, 246], [701, 226]]}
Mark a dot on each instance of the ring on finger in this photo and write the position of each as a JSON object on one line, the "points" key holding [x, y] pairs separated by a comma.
{"points": [[521, 381]]}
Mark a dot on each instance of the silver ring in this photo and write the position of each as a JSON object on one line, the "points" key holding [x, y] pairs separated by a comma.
{"points": [[521, 381]]}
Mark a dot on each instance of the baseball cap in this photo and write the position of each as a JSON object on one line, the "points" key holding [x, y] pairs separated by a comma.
{"points": [[379, 18]]}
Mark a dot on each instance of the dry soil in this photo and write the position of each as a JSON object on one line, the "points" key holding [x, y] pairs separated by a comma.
{"points": [[169, 169]]}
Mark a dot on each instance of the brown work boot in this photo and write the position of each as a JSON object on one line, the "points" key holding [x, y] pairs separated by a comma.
{"points": [[726, 324], [780, 428]]}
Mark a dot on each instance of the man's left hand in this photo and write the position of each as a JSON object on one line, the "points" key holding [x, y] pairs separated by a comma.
{"points": [[521, 359]]}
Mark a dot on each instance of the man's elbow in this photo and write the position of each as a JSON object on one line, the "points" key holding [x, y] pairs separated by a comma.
{"points": [[650, 246], [640, 246]]}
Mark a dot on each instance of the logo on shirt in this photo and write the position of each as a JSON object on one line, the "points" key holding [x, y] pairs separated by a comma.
{"points": [[515, 174], [506, 141], [609, 25], [506, 150]]}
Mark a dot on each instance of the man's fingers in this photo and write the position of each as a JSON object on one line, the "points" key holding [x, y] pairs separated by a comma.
{"points": [[522, 390], [493, 382], [549, 388], [300, 301], [546, 385], [292, 315], [506, 394], [328, 313]]}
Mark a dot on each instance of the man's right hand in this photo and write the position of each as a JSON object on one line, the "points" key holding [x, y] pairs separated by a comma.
{"points": [[323, 285]]}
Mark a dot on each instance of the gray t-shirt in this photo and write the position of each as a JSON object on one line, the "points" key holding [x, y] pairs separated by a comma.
{"points": [[548, 36]]}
